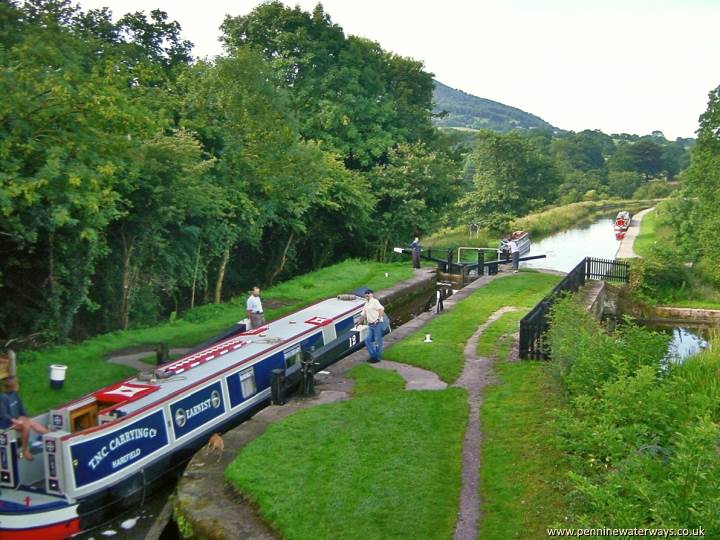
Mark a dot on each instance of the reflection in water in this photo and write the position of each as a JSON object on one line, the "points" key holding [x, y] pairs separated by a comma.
{"points": [[565, 249], [686, 343], [135, 524]]}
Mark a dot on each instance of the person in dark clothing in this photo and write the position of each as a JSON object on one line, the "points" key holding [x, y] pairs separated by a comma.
{"points": [[13, 415], [415, 246]]}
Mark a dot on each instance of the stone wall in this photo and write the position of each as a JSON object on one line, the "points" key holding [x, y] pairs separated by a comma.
{"points": [[605, 299]]}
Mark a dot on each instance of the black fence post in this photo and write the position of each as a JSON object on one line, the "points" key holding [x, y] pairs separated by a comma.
{"points": [[481, 262]]}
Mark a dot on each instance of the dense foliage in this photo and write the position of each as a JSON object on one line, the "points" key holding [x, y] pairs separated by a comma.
{"points": [[695, 216], [511, 174], [682, 265], [642, 439], [136, 182]]}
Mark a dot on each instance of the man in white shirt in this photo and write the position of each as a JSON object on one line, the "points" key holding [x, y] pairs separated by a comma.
{"points": [[373, 314], [255, 309], [514, 254]]}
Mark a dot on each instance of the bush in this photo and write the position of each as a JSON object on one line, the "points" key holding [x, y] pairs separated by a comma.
{"points": [[658, 189], [655, 275], [587, 358], [642, 439]]}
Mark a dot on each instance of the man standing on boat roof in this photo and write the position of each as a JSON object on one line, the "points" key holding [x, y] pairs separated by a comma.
{"points": [[255, 309], [374, 315]]}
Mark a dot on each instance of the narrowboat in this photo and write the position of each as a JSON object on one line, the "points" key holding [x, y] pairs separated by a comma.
{"points": [[107, 450], [622, 224], [523, 241]]}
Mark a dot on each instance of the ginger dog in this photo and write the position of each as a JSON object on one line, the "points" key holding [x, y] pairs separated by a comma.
{"points": [[215, 444]]}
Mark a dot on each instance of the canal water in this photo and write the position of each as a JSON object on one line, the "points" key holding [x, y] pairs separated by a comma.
{"points": [[567, 248], [685, 341], [135, 524]]}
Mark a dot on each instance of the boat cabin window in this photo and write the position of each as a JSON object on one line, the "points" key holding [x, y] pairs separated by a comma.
{"points": [[293, 358], [247, 383]]}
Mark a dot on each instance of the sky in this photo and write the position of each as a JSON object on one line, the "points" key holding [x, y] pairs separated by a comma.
{"points": [[632, 66]]}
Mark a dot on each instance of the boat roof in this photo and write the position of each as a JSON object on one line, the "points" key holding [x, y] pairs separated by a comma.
{"points": [[134, 395]]}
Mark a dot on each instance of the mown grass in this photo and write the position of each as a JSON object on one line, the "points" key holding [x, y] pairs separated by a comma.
{"points": [[497, 339], [522, 469], [88, 370], [646, 239], [385, 464], [451, 330]]}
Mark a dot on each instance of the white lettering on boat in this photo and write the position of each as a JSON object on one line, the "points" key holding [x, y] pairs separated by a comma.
{"points": [[120, 440], [124, 459], [197, 409]]}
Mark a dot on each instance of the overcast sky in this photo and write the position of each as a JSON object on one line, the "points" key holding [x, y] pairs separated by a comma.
{"points": [[617, 65]]}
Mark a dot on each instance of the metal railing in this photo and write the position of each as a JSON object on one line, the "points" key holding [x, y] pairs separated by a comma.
{"points": [[534, 325]]}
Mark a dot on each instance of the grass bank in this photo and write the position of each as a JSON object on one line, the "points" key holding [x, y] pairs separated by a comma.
{"points": [[88, 370], [451, 330], [385, 464], [522, 469], [646, 239]]}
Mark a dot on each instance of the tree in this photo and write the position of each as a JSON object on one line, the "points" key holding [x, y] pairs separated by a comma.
{"points": [[702, 190], [167, 187], [674, 159], [582, 152], [643, 156], [511, 179], [623, 183], [68, 126], [347, 92], [414, 189]]}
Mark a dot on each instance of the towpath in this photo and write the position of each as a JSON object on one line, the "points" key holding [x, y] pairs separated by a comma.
{"points": [[229, 516], [477, 374], [133, 359], [626, 251]]}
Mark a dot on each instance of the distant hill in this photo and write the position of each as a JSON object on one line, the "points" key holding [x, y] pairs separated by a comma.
{"points": [[468, 111]]}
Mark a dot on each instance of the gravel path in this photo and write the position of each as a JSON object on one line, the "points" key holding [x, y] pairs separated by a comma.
{"points": [[477, 374], [415, 378]]}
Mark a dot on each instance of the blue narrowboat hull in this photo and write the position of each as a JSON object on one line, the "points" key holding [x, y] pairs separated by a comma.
{"points": [[111, 449]]}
